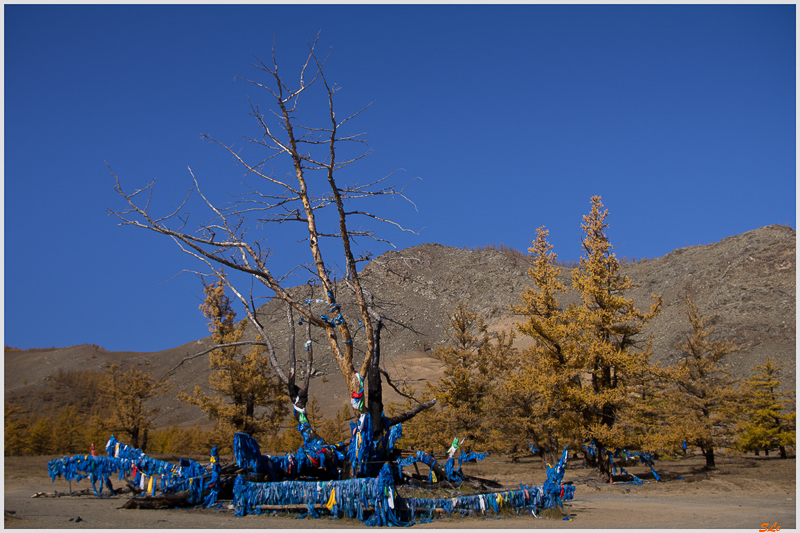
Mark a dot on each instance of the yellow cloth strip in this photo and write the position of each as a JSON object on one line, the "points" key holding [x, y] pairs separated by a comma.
{"points": [[331, 500]]}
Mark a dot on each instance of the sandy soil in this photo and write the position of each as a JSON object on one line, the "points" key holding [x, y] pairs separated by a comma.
{"points": [[743, 492]]}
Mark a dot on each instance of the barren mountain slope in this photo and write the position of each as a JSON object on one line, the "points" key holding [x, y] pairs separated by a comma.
{"points": [[748, 281]]}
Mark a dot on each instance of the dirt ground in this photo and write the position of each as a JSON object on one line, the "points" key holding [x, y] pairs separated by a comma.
{"points": [[742, 492]]}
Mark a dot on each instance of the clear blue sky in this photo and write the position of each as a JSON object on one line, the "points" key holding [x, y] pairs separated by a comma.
{"points": [[681, 117]]}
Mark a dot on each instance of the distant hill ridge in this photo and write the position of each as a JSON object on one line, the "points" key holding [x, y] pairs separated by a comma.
{"points": [[747, 281]]}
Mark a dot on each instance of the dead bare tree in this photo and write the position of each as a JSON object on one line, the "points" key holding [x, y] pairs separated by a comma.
{"points": [[300, 197]]}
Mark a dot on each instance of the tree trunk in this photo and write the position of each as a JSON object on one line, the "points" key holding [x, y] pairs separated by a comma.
{"points": [[604, 465], [374, 385], [708, 452], [550, 455], [144, 440], [250, 407], [599, 461], [135, 437], [298, 394], [782, 448]]}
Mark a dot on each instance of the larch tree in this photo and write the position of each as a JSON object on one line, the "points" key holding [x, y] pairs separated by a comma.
{"points": [[703, 396], [310, 196], [423, 431], [586, 358], [609, 340], [97, 431], [69, 431], [769, 415], [472, 362], [15, 429], [40, 437], [543, 388], [248, 396], [336, 430], [128, 393]]}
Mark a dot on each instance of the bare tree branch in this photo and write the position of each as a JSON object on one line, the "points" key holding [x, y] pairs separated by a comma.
{"points": [[301, 196], [207, 351]]}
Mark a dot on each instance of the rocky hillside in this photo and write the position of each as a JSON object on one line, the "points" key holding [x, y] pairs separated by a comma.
{"points": [[746, 281]]}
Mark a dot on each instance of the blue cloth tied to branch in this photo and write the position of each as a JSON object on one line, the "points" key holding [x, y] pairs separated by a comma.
{"points": [[123, 460], [644, 457], [372, 500]]}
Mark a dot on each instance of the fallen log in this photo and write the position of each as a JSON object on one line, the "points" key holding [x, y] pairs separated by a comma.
{"points": [[481, 483], [133, 488], [56, 494], [477, 483], [84, 492], [158, 502]]}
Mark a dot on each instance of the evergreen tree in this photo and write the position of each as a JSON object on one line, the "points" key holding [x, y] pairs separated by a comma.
{"points": [[473, 362], [769, 415], [423, 432], [332, 431], [128, 393], [40, 437], [587, 361], [191, 440], [97, 432], [474, 365], [542, 389], [702, 394], [248, 398], [15, 430], [608, 337], [69, 431]]}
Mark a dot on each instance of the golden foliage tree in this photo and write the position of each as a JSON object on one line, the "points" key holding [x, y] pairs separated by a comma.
{"points": [[15, 430], [543, 390], [465, 389], [40, 437], [82, 389], [182, 440], [702, 395], [128, 393], [609, 340], [332, 431], [423, 432], [769, 415], [249, 398], [98, 431], [69, 431], [577, 380], [473, 362]]}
